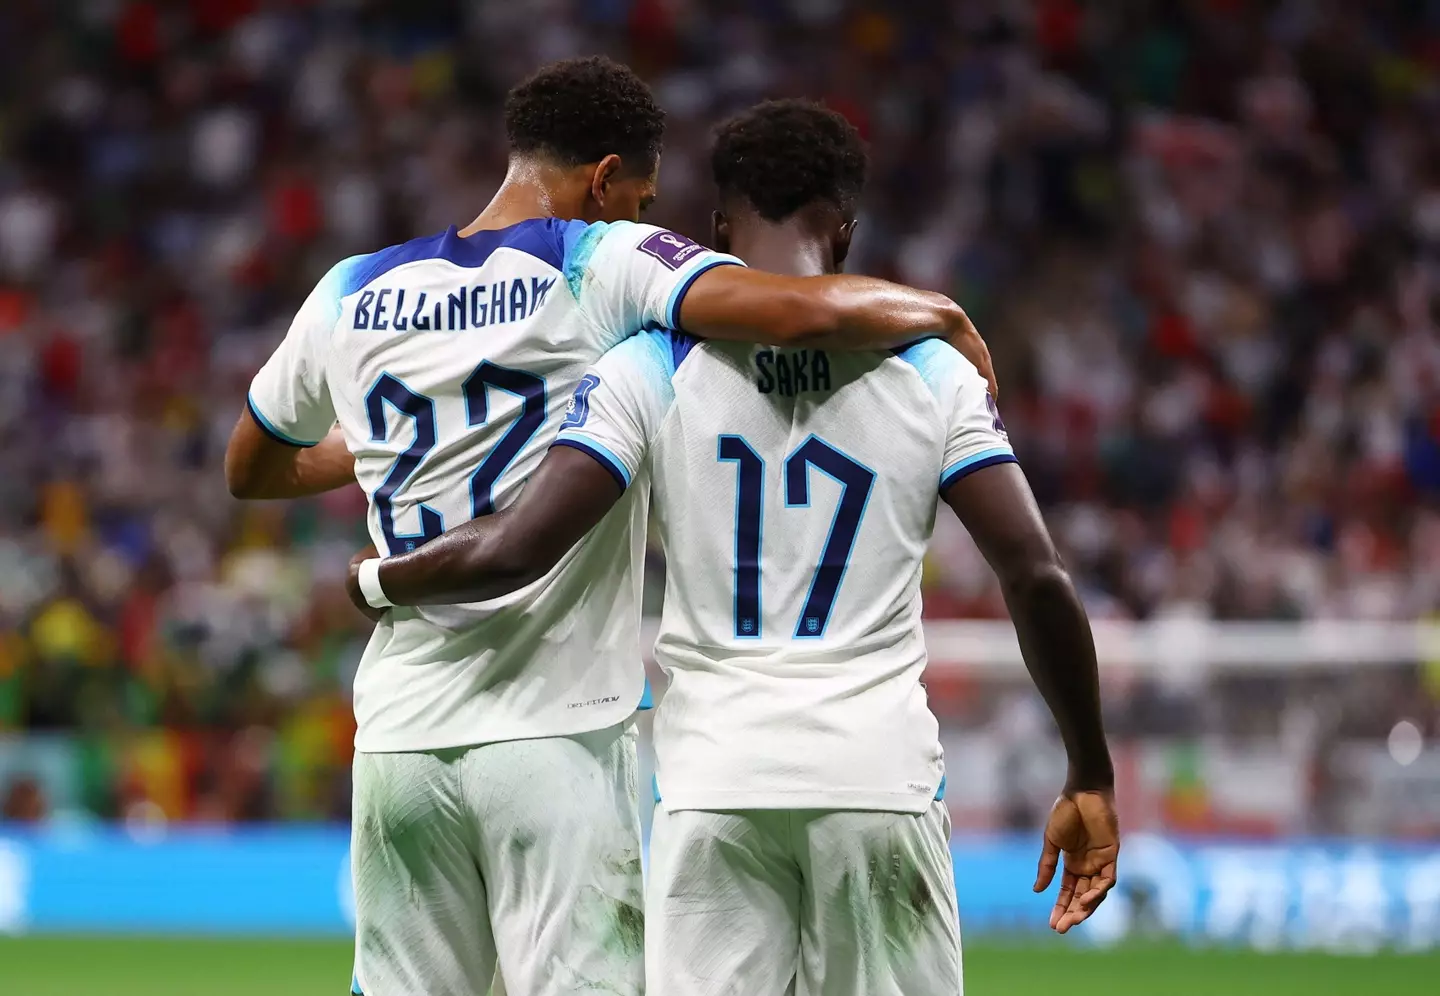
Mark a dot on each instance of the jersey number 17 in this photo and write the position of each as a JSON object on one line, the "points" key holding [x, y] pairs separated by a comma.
{"points": [[856, 482]]}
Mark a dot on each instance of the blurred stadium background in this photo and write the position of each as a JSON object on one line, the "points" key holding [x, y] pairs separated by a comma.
{"points": [[1201, 237]]}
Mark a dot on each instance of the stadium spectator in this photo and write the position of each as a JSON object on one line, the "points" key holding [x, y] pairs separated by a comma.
{"points": [[1202, 240]]}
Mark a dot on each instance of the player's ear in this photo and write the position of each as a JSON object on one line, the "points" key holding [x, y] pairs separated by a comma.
{"points": [[719, 232], [842, 242], [605, 171]]}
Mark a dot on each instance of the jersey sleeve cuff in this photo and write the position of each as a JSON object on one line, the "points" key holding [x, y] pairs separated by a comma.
{"points": [[600, 454], [672, 308], [268, 427], [976, 461]]}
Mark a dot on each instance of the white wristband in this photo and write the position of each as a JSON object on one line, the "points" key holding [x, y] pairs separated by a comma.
{"points": [[370, 584]]}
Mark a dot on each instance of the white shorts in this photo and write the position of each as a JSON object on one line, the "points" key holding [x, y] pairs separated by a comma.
{"points": [[804, 902], [525, 853]]}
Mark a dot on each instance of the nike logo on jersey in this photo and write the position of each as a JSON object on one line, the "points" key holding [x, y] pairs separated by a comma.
{"points": [[592, 702]]}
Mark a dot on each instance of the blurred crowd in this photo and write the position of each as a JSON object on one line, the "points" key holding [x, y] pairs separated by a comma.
{"points": [[1200, 236]]}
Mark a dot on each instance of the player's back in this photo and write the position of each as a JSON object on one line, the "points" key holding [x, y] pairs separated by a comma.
{"points": [[442, 372], [448, 363], [797, 491]]}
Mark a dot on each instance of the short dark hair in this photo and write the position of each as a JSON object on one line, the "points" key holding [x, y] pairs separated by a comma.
{"points": [[582, 110], [784, 154]]}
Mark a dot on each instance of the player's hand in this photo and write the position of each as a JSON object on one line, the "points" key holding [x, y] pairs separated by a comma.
{"points": [[1083, 827], [352, 585], [973, 348]]}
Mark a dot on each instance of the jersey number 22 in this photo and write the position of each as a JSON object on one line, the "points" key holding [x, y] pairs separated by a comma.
{"points": [[420, 409]]}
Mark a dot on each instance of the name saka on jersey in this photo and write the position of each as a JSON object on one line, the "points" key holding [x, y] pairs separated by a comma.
{"points": [[791, 371]]}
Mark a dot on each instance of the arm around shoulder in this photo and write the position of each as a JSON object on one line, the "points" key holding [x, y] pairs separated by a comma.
{"points": [[837, 312]]}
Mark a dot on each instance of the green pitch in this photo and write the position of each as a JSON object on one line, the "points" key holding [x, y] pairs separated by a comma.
{"points": [[66, 966]]}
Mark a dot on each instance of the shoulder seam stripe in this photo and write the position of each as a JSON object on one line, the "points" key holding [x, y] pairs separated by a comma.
{"points": [[268, 427], [968, 466], [600, 454]]}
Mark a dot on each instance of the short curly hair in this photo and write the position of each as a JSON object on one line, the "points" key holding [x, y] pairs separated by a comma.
{"points": [[784, 154], [582, 110]]}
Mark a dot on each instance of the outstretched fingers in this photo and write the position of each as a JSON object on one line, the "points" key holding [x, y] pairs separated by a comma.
{"points": [[1068, 883], [1090, 892]]}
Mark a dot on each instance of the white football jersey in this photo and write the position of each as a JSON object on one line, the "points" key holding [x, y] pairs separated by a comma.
{"points": [[795, 492], [449, 363]]}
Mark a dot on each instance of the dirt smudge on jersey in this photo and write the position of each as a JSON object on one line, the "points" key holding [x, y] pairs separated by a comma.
{"points": [[628, 917], [901, 899]]}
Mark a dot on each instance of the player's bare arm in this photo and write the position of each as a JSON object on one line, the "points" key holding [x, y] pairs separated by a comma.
{"points": [[257, 465], [997, 507], [832, 312], [496, 554]]}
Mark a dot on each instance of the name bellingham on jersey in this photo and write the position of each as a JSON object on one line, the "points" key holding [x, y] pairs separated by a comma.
{"points": [[472, 307]]}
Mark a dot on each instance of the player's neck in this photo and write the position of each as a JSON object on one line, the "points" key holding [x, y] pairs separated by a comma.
{"points": [[787, 247], [530, 190]]}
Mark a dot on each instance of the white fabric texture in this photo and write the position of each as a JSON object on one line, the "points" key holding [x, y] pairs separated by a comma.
{"points": [[523, 854], [810, 903]]}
